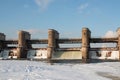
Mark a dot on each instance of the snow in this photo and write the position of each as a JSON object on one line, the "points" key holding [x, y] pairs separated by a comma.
{"points": [[114, 55], [32, 54], [37, 54], [37, 70], [5, 54]]}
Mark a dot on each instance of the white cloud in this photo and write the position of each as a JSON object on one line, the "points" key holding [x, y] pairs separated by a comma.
{"points": [[110, 34], [82, 7], [36, 31], [43, 4]]}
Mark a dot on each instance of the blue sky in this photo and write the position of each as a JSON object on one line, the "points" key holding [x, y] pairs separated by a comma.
{"points": [[66, 16]]}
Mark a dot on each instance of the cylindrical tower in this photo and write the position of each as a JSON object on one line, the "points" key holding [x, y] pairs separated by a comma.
{"points": [[53, 35], [51, 42], [23, 36], [86, 34]]}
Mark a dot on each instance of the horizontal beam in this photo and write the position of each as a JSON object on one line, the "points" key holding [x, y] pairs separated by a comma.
{"points": [[65, 41], [104, 48], [38, 49], [69, 41], [10, 42], [69, 49], [36, 41], [11, 48], [103, 40], [60, 41]]}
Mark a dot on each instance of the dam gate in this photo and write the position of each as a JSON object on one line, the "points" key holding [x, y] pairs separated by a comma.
{"points": [[53, 51]]}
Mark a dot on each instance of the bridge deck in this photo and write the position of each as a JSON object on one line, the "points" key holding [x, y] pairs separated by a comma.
{"points": [[38, 41], [65, 41], [103, 40], [69, 49], [105, 48]]}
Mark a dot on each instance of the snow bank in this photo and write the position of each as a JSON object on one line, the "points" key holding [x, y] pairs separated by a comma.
{"points": [[8, 54], [114, 55], [32, 70], [37, 54]]}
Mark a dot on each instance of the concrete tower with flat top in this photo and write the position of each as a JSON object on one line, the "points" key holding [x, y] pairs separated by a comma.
{"points": [[53, 35], [86, 34], [23, 36]]}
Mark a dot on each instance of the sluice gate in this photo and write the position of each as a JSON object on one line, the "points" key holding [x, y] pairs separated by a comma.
{"points": [[23, 48]]}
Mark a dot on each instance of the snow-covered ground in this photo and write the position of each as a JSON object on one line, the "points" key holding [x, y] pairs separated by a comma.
{"points": [[36, 70]]}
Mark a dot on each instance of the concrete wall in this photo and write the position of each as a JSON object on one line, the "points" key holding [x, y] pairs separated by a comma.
{"points": [[67, 55]]}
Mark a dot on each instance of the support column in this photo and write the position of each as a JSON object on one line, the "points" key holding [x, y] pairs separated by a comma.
{"points": [[86, 34], [118, 45], [2, 38], [22, 44], [53, 35]]}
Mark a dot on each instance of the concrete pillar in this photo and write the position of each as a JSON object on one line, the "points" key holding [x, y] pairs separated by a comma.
{"points": [[118, 45], [86, 34], [53, 35], [2, 38], [23, 36]]}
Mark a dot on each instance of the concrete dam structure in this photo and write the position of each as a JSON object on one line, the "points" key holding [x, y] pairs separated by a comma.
{"points": [[53, 51]]}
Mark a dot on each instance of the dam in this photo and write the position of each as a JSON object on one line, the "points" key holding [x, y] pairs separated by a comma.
{"points": [[53, 51]]}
